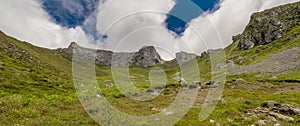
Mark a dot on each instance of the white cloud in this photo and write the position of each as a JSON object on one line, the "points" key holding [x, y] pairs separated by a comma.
{"points": [[216, 29], [132, 24], [27, 21]]}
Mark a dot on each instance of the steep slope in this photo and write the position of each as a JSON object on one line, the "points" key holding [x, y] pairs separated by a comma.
{"points": [[21, 61], [36, 87], [268, 51], [270, 25]]}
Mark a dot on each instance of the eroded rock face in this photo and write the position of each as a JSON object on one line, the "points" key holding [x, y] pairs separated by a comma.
{"points": [[145, 57], [269, 25], [183, 56], [121, 59]]}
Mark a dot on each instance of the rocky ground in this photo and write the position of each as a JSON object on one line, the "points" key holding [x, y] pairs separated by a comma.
{"points": [[285, 62]]}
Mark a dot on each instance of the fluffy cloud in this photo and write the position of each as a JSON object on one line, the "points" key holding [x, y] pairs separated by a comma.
{"points": [[131, 24], [215, 30], [27, 21]]}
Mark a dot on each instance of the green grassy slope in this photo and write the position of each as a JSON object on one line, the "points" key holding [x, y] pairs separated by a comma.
{"points": [[36, 87]]}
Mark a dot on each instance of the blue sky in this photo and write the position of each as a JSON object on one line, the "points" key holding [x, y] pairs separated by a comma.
{"points": [[55, 23], [187, 12], [72, 13], [69, 13]]}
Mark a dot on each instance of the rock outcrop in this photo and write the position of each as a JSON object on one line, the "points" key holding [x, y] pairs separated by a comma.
{"points": [[145, 57], [183, 56], [269, 25]]}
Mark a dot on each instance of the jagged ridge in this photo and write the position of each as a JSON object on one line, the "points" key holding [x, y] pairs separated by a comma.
{"points": [[145, 57], [269, 25]]}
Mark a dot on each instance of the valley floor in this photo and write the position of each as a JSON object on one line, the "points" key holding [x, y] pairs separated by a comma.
{"points": [[242, 103]]}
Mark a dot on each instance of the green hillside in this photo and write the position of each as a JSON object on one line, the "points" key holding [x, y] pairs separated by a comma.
{"points": [[36, 86]]}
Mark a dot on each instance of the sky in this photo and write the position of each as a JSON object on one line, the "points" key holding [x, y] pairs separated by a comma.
{"points": [[69, 13], [74, 13], [189, 12], [127, 25]]}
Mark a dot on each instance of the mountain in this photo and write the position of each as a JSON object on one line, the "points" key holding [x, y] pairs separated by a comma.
{"points": [[145, 57], [183, 56], [269, 45], [262, 83], [270, 25]]}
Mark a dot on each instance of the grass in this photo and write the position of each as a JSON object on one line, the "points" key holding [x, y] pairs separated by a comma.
{"points": [[232, 110], [36, 87]]}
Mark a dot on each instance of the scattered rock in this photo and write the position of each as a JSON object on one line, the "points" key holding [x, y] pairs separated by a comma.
{"points": [[210, 83], [155, 93], [157, 119], [182, 81], [108, 86], [132, 77], [212, 121], [229, 120], [240, 80], [236, 38], [176, 78], [177, 74], [261, 122], [285, 109], [277, 124], [184, 85], [203, 54], [99, 95], [159, 109], [149, 91], [168, 113], [280, 116], [193, 86], [159, 88], [273, 111], [272, 118], [197, 82]]}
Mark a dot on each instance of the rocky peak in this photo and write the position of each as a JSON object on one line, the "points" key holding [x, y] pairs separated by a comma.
{"points": [[184, 56], [146, 57], [73, 45], [269, 25]]}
